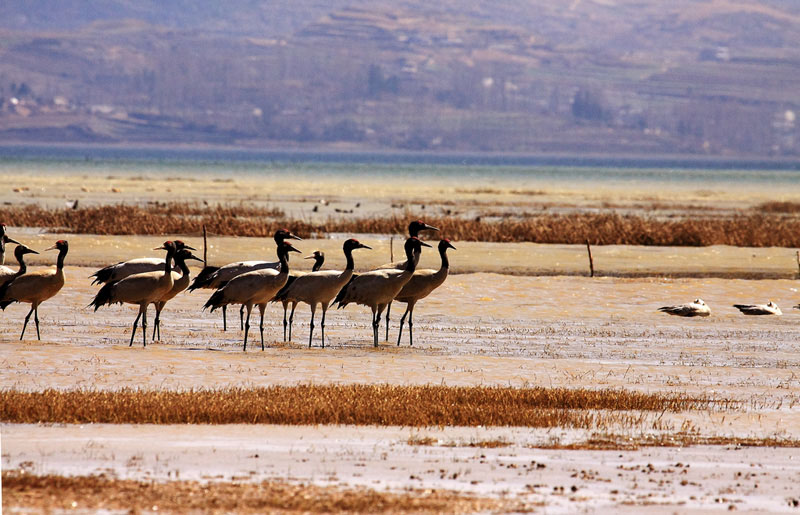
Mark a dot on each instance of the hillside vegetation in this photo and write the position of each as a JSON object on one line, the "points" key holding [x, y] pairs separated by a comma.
{"points": [[708, 77]]}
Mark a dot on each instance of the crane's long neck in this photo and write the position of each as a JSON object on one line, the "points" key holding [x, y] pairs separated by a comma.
{"points": [[22, 266], [182, 265], [411, 263], [445, 260], [168, 262], [317, 264], [348, 254], [62, 253], [283, 258]]}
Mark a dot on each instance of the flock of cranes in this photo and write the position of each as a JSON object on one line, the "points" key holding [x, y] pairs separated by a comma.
{"points": [[155, 281]]}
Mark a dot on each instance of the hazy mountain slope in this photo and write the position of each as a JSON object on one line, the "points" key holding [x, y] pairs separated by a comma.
{"points": [[715, 76]]}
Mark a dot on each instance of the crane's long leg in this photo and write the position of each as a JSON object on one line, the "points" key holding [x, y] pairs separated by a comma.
{"points": [[402, 321], [144, 326], [322, 326], [36, 320], [241, 316], [224, 317], [311, 326], [388, 309], [157, 321], [411, 324], [291, 320], [247, 326], [285, 323], [135, 323], [261, 308], [375, 322], [27, 317]]}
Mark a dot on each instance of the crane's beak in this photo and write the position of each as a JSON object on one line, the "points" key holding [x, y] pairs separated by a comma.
{"points": [[192, 256], [54, 247], [429, 227], [187, 247], [9, 240], [362, 246], [295, 237], [29, 250], [425, 244], [450, 246], [312, 256]]}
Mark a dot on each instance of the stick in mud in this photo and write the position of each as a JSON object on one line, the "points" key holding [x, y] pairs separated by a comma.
{"points": [[591, 261]]}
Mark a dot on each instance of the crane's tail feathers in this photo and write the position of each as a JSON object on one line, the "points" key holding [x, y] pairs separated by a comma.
{"points": [[341, 299], [215, 301], [103, 296], [203, 279], [103, 275]]}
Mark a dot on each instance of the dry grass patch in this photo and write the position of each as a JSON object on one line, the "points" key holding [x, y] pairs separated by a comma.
{"points": [[55, 493], [744, 230], [382, 405], [628, 443]]}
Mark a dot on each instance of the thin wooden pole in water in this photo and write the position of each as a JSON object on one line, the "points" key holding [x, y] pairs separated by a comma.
{"points": [[391, 250], [591, 261], [205, 246], [798, 263]]}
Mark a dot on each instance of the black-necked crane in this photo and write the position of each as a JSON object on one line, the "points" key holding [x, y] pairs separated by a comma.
{"points": [[213, 278], [121, 270], [180, 282], [36, 287], [322, 287], [414, 228], [319, 258], [254, 288], [140, 289], [3, 240], [377, 288], [7, 273], [421, 284]]}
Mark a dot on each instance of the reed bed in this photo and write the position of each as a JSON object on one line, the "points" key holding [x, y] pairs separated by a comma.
{"points": [[58, 493], [382, 405], [760, 228]]}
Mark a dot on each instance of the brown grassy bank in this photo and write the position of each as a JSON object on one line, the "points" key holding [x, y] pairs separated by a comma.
{"points": [[749, 229], [55, 493], [416, 406]]}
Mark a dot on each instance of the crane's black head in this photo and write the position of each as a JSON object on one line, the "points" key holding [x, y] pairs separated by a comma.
{"points": [[185, 254], [416, 226], [318, 255], [284, 248], [179, 244], [21, 250], [168, 246], [5, 239], [414, 244], [60, 245], [353, 244], [284, 234], [445, 244]]}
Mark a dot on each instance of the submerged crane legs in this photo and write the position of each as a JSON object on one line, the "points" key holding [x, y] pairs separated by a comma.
{"points": [[35, 311], [322, 324]]}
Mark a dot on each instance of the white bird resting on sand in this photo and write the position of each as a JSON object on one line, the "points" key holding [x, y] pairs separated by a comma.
{"points": [[696, 308], [770, 308]]}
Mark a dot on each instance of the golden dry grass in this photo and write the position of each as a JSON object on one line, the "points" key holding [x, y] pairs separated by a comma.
{"points": [[54, 493], [761, 229], [417, 406]]}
